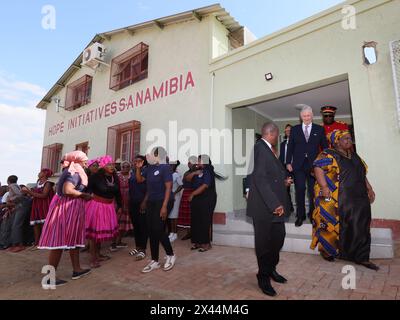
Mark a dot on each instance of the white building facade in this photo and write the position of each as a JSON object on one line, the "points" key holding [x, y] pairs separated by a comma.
{"points": [[201, 70]]}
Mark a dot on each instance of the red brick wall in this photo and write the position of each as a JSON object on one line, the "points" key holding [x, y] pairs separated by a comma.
{"points": [[219, 218]]}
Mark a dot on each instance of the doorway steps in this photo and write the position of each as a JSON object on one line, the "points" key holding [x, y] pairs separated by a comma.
{"points": [[238, 232]]}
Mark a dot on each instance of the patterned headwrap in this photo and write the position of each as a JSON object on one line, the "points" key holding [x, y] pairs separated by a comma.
{"points": [[336, 135], [48, 173], [69, 162], [105, 160]]}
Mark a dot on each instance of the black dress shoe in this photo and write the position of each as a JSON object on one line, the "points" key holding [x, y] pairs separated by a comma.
{"points": [[369, 265], [329, 259], [265, 285], [277, 277], [299, 222]]}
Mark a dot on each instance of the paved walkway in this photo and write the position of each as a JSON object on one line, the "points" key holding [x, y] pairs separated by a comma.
{"points": [[222, 273]]}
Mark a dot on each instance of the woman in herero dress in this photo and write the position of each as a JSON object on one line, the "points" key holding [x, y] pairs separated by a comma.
{"points": [[42, 195], [124, 219], [64, 228]]}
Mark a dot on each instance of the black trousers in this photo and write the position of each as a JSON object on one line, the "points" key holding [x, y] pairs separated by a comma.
{"points": [[139, 225], [202, 209], [156, 228], [20, 221], [269, 240], [301, 178]]}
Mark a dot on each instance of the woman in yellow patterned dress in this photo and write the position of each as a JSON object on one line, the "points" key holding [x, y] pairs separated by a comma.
{"points": [[343, 197]]}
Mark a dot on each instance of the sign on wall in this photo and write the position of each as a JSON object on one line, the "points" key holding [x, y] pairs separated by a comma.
{"points": [[174, 85]]}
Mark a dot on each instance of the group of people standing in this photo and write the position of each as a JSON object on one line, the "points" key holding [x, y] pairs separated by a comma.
{"points": [[21, 206], [339, 192], [93, 203]]}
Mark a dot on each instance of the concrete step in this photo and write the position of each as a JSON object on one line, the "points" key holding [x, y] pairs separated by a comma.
{"points": [[239, 232]]}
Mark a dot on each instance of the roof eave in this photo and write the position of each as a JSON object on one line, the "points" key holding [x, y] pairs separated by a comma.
{"points": [[230, 23]]}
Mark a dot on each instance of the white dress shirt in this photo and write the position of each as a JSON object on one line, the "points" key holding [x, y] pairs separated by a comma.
{"points": [[269, 145]]}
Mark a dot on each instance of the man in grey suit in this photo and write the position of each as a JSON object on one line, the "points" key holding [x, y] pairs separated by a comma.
{"points": [[267, 203]]}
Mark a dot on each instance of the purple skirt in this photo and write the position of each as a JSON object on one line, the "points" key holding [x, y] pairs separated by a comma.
{"points": [[101, 221], [65, 224]]}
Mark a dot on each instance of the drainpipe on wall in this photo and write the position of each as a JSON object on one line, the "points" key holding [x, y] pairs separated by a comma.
{"points": [[212, 101]]}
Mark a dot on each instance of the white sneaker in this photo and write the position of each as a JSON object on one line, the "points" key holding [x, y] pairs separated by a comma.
{"points": [[172, 237], [151, 266], [169, 264]]}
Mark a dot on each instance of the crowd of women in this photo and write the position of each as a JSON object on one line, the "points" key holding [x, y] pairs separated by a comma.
{"points": [[93, 203]]}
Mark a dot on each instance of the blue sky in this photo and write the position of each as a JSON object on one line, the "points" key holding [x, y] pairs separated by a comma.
{"points": [[33, 58]]}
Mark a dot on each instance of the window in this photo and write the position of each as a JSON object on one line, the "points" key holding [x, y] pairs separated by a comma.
{"points": [[123, 141], [129, 67], [84, 147], [78, 93], [370, 53], [125, 148], [51, 157]]}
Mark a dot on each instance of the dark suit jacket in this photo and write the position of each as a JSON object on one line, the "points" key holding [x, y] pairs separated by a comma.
{"points": [[282, 152], [300, 150], [267, 189]]}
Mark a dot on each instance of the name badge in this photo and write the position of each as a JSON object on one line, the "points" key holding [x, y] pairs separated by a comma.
{"points": [[157, 173]]}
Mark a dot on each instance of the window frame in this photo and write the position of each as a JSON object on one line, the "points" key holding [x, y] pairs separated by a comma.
{"points": [[82, 86], [125, 63], [83, 146], [114, 139], [51, 157]]}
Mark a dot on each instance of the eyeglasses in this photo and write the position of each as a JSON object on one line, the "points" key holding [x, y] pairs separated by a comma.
{"points": [[328, 116]]}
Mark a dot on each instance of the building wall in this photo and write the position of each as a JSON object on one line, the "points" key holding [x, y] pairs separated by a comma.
{"points": [[316, 52], [244, 118], [173, 52], [220, 42]]}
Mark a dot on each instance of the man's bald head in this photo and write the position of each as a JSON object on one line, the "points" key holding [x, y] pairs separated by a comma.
{"points": [[269, 127], [270, 132]]}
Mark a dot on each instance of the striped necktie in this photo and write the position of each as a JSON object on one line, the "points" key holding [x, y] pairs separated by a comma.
{"points": [[307, 133]]}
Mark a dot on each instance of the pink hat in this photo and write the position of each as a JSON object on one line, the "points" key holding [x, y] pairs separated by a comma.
{"points": [[92, 161], [105, 160]]}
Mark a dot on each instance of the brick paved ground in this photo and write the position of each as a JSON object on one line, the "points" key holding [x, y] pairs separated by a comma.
{"points": [[222, 273]]}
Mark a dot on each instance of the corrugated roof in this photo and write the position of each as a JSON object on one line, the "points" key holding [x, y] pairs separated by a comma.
{"points": [[219, 12]]}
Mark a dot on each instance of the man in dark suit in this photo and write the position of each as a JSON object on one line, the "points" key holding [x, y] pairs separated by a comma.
{"points": [[306, 141], [267, 203], [282, 158]]}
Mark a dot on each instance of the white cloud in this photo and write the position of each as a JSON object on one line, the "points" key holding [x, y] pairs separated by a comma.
{"points": [[20, 92], [21, 129]]}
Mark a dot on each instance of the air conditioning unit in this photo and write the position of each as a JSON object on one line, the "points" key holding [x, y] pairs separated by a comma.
{"points": [[93, 55]]}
